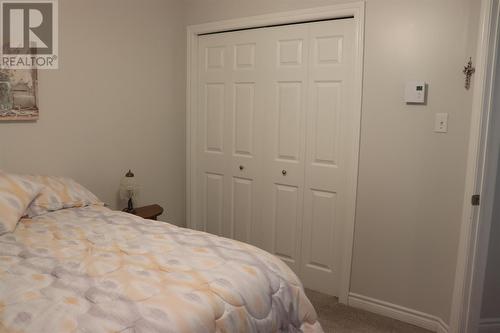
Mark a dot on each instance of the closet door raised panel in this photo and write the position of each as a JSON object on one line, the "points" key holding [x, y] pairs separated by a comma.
{"points": [[246, 142], [329, 157], [229, 149], [213, 58], [284, 155]]}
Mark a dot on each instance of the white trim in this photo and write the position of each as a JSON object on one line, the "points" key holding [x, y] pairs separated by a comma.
{"points": [[442, 327], [475, 223], [398, 312], [356, 9], [296, 16], [489, 325]]}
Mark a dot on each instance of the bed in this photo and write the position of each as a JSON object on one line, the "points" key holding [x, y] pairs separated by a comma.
{"points": [[91, 269]]}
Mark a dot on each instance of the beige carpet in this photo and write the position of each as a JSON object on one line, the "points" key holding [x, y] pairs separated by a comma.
{"points": [[339, 318]]}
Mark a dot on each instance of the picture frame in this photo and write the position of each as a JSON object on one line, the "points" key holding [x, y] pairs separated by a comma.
{"points": [[19, 94]]}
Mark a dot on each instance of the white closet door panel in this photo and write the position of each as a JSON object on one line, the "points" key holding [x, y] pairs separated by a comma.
{"points": [[322, 228], [214, 204], [329, 157], [324, 146], [214, 107], [242, 197], [289, 109], [246, 145], [244, 115], [214, 57], [212, 91], [321, 220], [326, 120], [245, 56], [290, 52], [284, 132], [286, 215], [229, 146]]}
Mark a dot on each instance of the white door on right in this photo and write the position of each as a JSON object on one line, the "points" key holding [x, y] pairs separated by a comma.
{"points": [[332, 127]]}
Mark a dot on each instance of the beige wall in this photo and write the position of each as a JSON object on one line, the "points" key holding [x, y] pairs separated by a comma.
{"points": [[117, 102], [411, 180]]}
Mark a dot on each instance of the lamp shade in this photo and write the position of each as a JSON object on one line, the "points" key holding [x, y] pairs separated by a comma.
{"points": [[129, 188]]}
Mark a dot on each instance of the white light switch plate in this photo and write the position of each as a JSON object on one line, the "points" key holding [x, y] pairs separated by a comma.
{"points": [[441, 123]]}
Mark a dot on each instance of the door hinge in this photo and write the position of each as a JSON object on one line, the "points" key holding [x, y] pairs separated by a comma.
{"points": [[476, 198]]}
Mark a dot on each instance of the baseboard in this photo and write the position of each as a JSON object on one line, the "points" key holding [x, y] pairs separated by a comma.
{"points": [[398, 312], [489, 325]]}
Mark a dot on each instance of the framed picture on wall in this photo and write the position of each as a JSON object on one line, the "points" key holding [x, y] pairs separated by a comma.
{"points": [[18, 94]]}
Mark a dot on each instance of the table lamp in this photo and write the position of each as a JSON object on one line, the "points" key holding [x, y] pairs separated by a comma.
{"points": [[129, 190]]}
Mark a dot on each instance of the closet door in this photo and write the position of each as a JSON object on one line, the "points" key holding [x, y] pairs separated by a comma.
{"points": [[276, 133], [284, 133], [229, 146], [329, 161]]}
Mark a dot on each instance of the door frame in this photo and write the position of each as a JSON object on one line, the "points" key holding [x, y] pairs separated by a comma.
{"points": [[355, 9], [481, 169]]}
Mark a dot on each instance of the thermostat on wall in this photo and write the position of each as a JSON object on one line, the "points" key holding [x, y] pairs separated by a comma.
{"points": [[415, 92]]}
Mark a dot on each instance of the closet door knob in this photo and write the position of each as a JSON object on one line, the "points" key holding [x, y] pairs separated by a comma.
{"points": [[242, 167], [283, 172]]}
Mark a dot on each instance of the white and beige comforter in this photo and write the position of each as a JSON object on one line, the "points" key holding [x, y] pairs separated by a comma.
{"points": [[95, 270]]}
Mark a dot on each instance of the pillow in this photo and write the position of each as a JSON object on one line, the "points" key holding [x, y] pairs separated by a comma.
{"points": [[16, 193], [59, 193]]}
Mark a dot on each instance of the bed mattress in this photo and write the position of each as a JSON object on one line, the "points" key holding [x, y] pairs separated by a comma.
{"points": [[92, 269]]}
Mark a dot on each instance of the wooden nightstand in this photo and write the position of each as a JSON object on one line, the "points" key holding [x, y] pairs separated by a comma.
{"points": [[150, 212]]}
